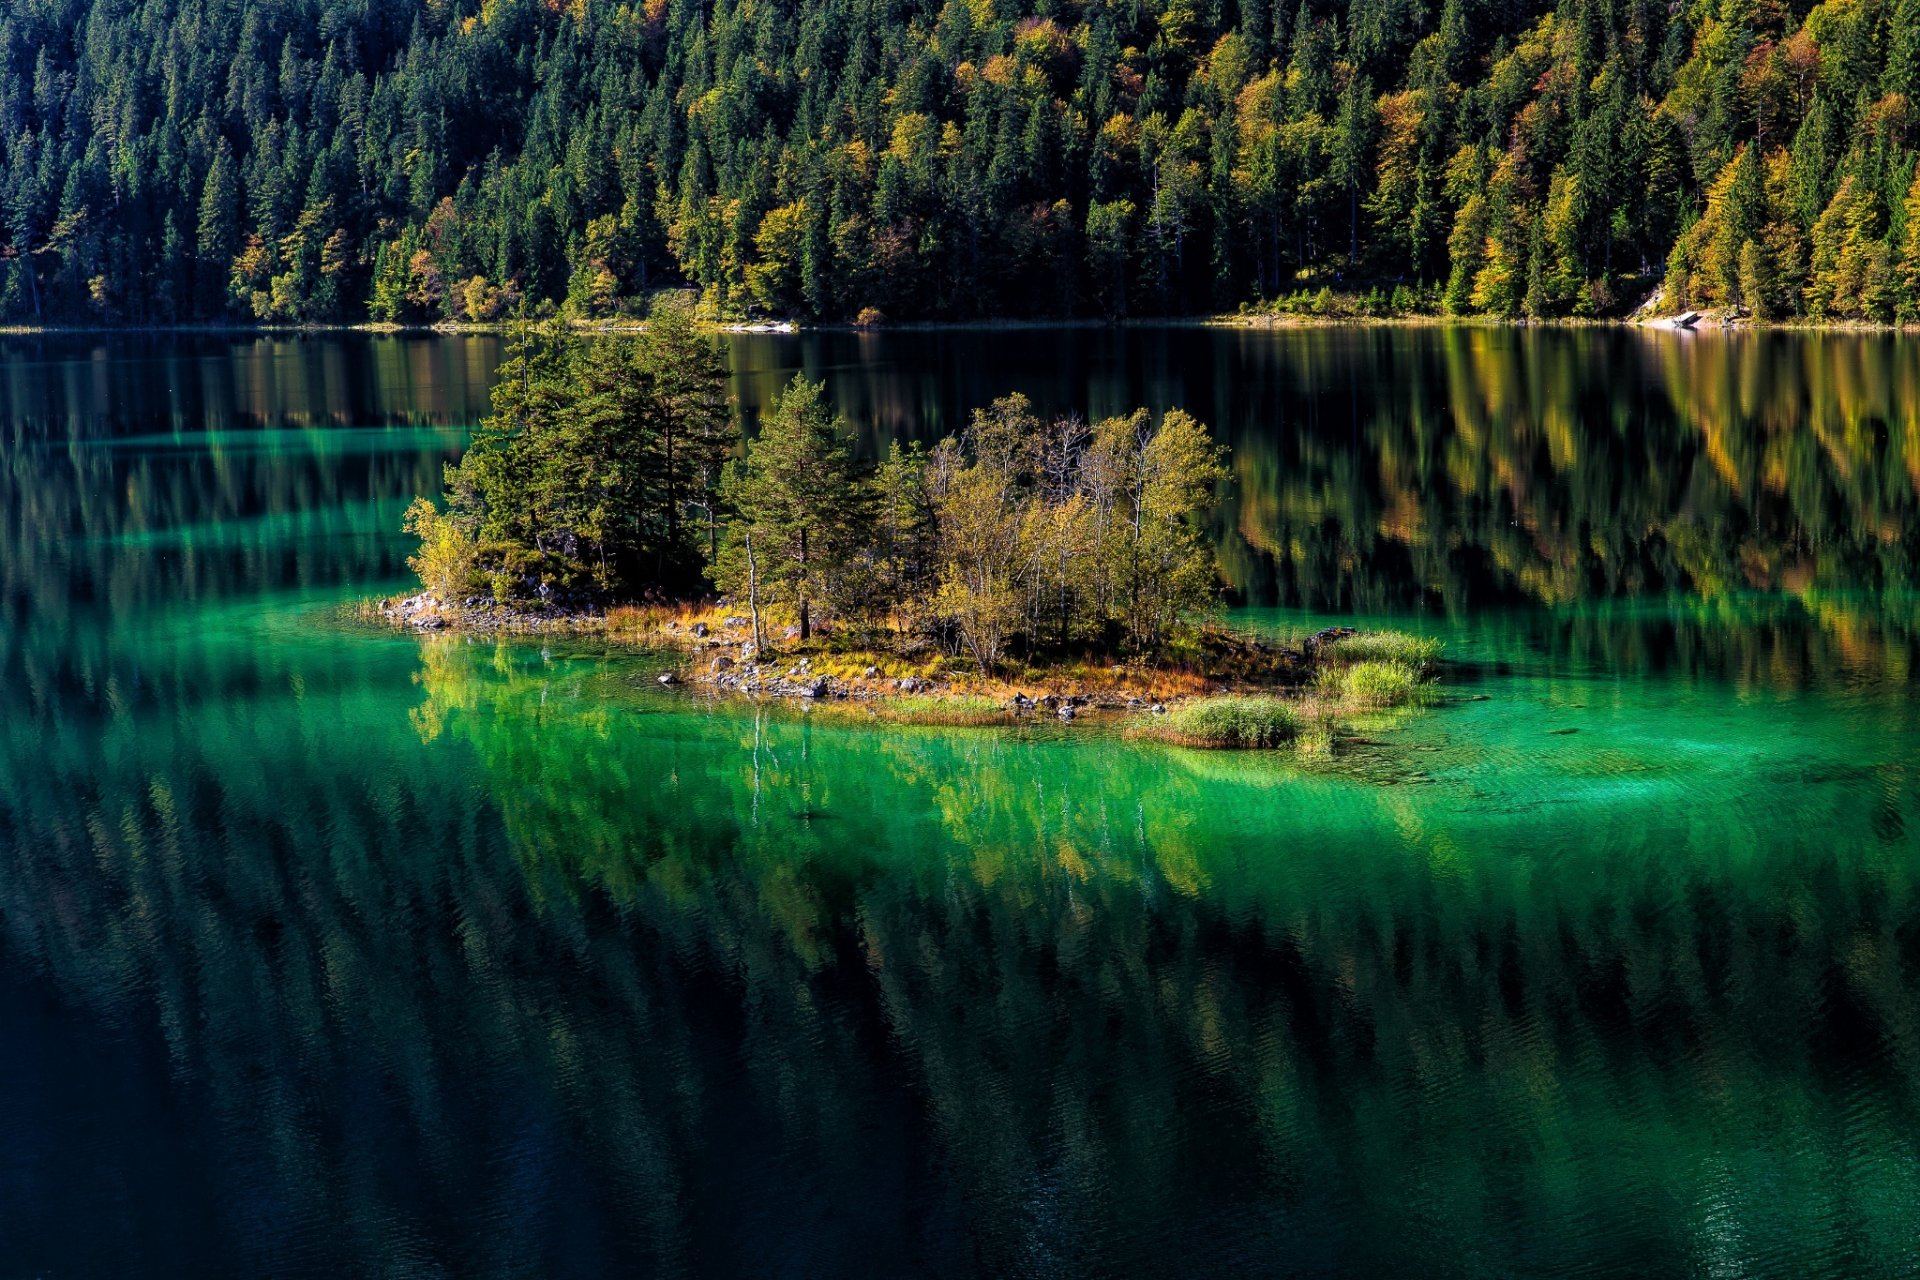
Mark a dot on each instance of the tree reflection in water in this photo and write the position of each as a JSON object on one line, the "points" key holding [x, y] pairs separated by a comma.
{"points": [[497, 960]]}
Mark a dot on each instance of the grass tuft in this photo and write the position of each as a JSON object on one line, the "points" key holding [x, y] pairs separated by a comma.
{"points": [[957, 709], [1376, 684], [1250, 721], [1380, 646], [364, 609]]}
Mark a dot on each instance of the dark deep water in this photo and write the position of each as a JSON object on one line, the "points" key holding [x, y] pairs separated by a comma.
{"points": [[333, 952]]}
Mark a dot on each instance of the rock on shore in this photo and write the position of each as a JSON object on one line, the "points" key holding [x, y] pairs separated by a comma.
{"points": [[427, 612]]}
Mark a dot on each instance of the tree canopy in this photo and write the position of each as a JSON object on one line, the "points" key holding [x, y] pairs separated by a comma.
{"points": [[1050, 535], [426, 160], [597, 471]]}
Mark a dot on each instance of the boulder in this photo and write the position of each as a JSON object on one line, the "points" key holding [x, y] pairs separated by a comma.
{"points": [[700, 630], [818, 689], [1066, 712], [721, 663], [667, 677], [1326, 635]]}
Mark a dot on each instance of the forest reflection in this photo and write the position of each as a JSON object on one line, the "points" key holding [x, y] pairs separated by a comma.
{"points": [[1758, 492], [467, 954], [1374, 467], [1012, 991]]}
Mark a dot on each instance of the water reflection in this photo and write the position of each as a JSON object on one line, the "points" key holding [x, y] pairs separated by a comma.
{"points": [[554, 973], [66, 387], [1436, 471], [336, 951]]}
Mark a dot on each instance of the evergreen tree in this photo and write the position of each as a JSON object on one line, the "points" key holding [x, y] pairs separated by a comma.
{"points": [[796, 510], [219, 231], [580, 477], [424, 161]]}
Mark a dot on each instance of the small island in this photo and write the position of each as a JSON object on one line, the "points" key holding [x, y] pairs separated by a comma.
{"points": [[1024, 567]]}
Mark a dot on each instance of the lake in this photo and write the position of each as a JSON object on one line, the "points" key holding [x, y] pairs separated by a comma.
{"points": [[331, 951]]}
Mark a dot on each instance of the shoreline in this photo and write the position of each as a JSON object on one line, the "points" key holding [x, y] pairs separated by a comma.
{"points": [[1709, 322], [1226, 688]]}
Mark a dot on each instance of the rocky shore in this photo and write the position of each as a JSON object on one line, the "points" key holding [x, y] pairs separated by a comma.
{"points": [[427, 612], [724, 673], [1259, 692], [725, 660]]}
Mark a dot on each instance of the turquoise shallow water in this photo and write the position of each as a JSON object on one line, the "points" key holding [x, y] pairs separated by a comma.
{"points": [[331, 951]]}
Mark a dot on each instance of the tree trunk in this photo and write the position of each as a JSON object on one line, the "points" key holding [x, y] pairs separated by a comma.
{"points": [[673, 506], [753, 600], [1063, 607], [1353, 226], [806, 623]]}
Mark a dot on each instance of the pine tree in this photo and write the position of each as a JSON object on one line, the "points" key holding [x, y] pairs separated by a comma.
{"points": [[218, 237], [1756, 280], [1537, 303], [1353, 134], [795, 502], [683, 382]]}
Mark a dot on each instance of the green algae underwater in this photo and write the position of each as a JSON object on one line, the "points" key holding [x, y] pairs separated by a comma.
{"points": [[325, 950]]}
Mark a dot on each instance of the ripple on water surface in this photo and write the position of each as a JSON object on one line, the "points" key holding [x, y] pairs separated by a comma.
{"points": [[332, 951]]}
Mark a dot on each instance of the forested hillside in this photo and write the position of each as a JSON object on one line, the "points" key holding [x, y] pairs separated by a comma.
{"points": [[418, 160]]}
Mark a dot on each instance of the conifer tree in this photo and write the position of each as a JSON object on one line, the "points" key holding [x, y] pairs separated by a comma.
{"points": [[794, 499], [413, 162]]}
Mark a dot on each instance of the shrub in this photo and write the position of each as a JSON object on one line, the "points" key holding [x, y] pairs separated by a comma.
{"points": [[1233, 722], [447, 562]]}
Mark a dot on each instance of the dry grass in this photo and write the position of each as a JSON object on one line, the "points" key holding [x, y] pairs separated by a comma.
{"points": [[947, 710], [664, 623]]}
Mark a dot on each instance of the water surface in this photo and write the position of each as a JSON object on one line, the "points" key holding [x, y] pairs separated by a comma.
{"points": [[325, 951]]}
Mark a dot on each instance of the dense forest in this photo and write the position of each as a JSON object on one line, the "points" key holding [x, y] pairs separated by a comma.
{"points": [[426, 160]]}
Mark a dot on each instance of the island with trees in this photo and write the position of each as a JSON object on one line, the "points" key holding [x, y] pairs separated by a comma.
{"points": [[1024, 566]]}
